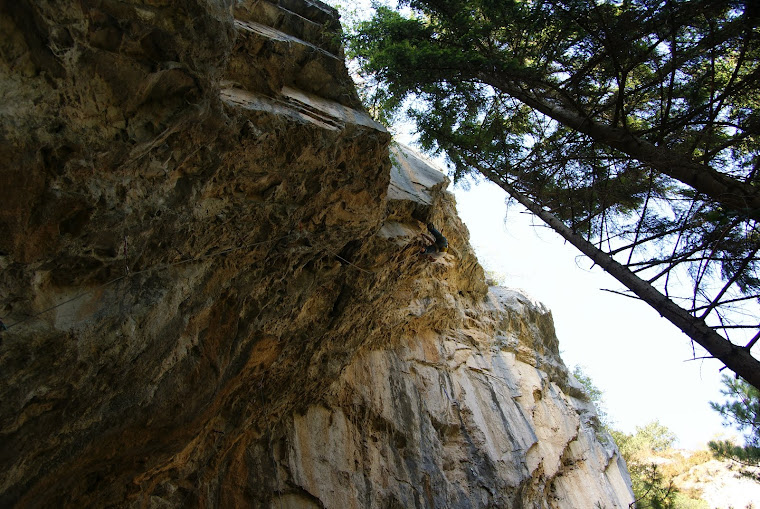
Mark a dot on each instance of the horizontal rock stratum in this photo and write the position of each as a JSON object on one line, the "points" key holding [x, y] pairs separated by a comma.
{"points": [[213, 290]]}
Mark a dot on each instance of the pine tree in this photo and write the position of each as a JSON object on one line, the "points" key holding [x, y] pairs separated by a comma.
{"points": [[631, 128]]}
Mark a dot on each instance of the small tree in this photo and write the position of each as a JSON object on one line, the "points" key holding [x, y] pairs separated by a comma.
{"points": [[742, 410], [655, 436], [595, 394], [646, 440], [651, 488]]}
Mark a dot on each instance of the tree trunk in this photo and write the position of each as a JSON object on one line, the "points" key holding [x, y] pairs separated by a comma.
{"points": [[736, 358], [729, 192]]}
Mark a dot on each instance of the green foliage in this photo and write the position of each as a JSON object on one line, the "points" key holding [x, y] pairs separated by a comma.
{"points": [[651, 488], [595, 394], [646, 440], [655, 436], [454, 57], [741, 410]]}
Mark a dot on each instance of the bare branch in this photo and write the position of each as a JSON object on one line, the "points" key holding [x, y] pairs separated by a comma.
{"points": [[730, 301], [621, 293], [730, 282]]}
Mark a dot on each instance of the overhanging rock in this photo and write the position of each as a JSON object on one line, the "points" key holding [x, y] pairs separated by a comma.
{"points": [[214, 293]]}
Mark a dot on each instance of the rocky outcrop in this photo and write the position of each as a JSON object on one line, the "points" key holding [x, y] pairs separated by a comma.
{"points": [[467, 405], [213, 291]]}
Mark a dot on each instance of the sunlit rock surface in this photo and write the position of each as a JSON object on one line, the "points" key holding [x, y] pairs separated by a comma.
{"points": [[214, 293]]}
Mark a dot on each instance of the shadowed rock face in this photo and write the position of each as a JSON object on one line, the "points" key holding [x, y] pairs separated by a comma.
{"points": [[213, 289]]}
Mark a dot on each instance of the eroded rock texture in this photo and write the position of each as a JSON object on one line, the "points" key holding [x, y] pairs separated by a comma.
{"points": [[213, 289]]}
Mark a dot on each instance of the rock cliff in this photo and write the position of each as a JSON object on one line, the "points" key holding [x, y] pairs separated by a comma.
{"points": [[213, 291]]}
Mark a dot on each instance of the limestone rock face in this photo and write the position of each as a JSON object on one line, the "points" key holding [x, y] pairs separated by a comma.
{"points": [[213, 290]]}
